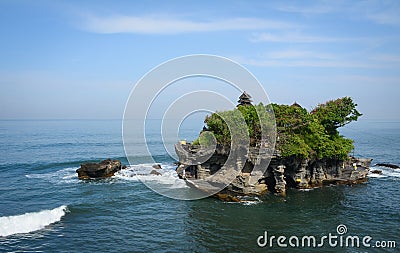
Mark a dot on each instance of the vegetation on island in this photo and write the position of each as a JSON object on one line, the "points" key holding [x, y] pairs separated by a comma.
{"points": [[300, 133]]}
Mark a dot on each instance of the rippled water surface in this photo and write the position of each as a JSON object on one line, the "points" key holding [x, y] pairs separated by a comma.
{"points": [[40, 193]]}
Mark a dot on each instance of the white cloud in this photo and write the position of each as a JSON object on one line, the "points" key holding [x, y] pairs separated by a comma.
{"points": [[310, 57], [307, 10], [308, 61], [385, 18], [384, 12], [296, 37], [161, 24], [296, 54], [387, 58], [380, 12]]}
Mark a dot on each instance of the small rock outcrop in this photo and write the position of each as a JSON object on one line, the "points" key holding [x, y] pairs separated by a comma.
{"points": [[103, 169], [154, 172], [389, 165], [157, 166]]}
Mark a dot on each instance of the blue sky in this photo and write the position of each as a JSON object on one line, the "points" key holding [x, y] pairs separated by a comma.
{"points": [[80, 59]]}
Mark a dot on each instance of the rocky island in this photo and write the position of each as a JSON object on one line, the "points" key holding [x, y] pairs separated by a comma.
{"points": [[103, 169], [306, 150]]}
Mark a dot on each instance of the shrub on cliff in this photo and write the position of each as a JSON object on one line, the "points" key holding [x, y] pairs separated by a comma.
{"points": [[254, 119], [299, 132], [336, 113]]}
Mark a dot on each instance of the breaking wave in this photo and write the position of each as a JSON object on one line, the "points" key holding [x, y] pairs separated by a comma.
{"points": [[386, 172], [29, 222], [142, 172]]}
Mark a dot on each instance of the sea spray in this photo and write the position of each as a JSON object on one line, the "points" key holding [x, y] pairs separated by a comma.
{"points": [[141, 172]]}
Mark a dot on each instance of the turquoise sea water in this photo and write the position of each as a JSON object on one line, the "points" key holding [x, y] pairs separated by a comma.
{"points": [[45, 208]]}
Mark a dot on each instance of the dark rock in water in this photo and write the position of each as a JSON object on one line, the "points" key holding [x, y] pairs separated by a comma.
{"points": [[157, 166], [104, 169], [376, 172], [389, 165], [154, 172]]}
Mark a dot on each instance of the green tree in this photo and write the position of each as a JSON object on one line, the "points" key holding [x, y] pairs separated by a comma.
{"points": [[336, 113], [299, 133]]}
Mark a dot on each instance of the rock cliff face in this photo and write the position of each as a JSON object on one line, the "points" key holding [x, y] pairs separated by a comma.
{"points": [[281, 173], [104, 169]]}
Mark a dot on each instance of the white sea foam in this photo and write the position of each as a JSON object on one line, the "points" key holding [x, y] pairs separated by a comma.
{"points": [[306, 190], [141, 172], [66, 175], [246, 201], [29, 222], [251, 201], [376, 175], [386, 172], [392, 173]]}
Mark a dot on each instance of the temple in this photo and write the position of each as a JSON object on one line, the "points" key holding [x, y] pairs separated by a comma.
{"points": [[244, 99]]}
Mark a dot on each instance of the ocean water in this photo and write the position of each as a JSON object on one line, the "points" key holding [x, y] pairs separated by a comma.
{"points": [[45, 208]]}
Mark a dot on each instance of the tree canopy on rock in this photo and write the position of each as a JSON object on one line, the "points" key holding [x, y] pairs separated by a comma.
{"points": [[299, 133]]}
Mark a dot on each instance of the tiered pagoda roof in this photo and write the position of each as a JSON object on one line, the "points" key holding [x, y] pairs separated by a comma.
{"points": [[244, 99]]}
